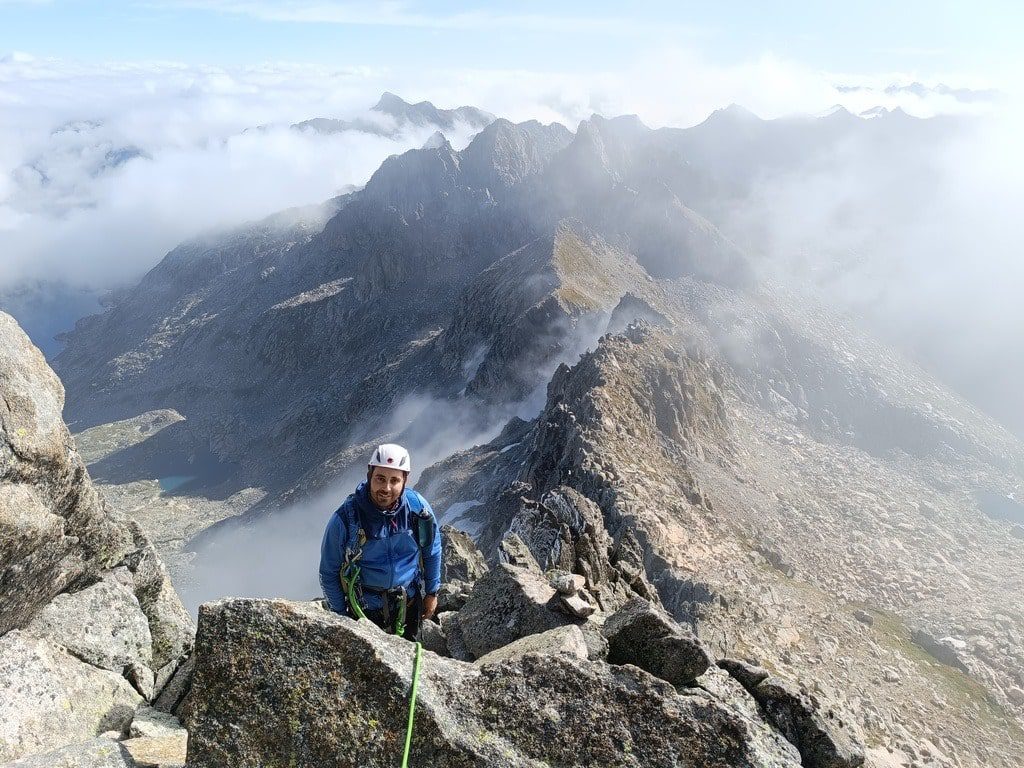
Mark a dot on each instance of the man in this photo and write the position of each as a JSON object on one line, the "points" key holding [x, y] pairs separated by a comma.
{"points": [[382, 549]]}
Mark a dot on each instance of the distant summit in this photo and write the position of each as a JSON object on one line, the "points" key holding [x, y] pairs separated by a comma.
{"points": [[392, 114], [836, 112], [733, 113], [436, 141], [425, 113]]}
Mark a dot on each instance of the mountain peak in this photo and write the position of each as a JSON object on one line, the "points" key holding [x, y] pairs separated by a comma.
{"points": [[837, 111], [505, 153], [425, 113], [735, 112], [390, 103], [437, 140]]}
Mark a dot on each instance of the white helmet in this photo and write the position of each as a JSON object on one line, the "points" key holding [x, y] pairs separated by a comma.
{"points": [[391, 456]]}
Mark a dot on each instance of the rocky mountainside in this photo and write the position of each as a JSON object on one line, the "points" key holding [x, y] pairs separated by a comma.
{"points": [[778, 482], [780, 520], [572, 666], [260, 340], [103, 636], [91, 630]]}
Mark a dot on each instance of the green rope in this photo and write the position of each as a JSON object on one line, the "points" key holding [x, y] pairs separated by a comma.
{"points": [[353, 601], [412, 705], [400, 621]]}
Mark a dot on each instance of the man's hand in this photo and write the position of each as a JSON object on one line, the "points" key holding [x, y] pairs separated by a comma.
{"points": [[429, 605]]}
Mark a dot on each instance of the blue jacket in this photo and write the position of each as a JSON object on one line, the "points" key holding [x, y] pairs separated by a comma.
{"points": [[390, 554]]}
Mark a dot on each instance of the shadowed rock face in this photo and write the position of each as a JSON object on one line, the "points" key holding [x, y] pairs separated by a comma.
{"points": [[90, 625], [825, 738], [285, 683], [640, 634], [54, 527]]}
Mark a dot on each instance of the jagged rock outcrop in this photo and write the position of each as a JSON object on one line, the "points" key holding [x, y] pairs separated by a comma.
{"points": [[54, 528], [565, 530], [506, 604], [462, 564], [282, 682], [640, 634], [461, 560], [90, 625], [825, 738], [679, 446]]}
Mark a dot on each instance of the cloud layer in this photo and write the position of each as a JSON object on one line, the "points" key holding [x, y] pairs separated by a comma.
{"points": [[103, 168]]}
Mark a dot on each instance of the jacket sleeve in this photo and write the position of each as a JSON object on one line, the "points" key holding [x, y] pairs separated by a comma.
{"points": [[432, 559], [331, 553]]}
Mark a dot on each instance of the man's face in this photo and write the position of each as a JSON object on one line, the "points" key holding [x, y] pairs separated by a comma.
{"points": [[386, 486]]}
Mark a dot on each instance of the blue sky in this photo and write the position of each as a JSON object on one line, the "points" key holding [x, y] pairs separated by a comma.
{"points": [[940, 39]]}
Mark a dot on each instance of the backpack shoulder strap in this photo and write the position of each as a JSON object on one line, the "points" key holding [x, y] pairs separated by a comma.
{"points": [[423, 529], [352, 520]]}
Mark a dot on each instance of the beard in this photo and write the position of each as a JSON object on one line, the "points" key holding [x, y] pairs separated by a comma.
{"points": [[385, 499]]}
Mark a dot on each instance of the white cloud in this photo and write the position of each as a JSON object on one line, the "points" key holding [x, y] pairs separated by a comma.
{"points": [[61, 212], [67, 207], [918, 242]]}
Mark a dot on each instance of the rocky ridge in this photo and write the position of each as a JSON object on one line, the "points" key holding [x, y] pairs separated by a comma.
{"points": [[517, 704], [91, 628], [713, 537]]}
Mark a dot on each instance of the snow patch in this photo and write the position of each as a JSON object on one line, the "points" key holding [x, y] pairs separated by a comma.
{"points": [[321, 292], [457, 515]]}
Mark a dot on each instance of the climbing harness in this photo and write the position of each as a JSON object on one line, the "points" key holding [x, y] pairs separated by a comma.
{"points": [[412, 705], [400, 598]]}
